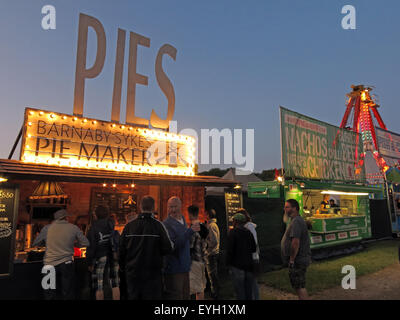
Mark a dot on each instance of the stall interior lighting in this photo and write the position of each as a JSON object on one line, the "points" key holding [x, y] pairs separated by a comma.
{"points": [[3, 179], [345, 193]]}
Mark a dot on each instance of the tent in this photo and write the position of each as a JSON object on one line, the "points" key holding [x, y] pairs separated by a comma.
{"points": [[243, 180]]}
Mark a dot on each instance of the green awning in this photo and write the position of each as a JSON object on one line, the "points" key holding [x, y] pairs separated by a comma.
{"points": [[265, 189]]}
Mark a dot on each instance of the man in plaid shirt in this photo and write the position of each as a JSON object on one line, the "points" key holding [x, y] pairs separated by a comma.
{"points": [[197, 247]]}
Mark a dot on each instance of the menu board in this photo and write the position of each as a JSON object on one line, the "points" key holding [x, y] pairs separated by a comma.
{"points": [[121, 204], [9, 196], [233, 202]]}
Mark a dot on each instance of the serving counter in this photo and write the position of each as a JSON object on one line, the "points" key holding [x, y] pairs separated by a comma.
{"points": [[336, 213], [334, 224], [334, 230]]}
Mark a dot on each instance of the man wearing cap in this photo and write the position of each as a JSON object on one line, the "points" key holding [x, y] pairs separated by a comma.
{"points": [[60, 238], [240, 249]]}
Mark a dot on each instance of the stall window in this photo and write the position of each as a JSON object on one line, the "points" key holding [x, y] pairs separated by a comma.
{"points": [[318, 202]]}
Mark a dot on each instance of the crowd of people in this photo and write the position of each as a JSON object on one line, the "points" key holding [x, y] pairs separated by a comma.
{"points": [[170, 259], [150, 259]]}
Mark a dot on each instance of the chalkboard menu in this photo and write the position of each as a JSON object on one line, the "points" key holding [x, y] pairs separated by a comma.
{"points": [[233, 202], [9, 196], [121, 204]]}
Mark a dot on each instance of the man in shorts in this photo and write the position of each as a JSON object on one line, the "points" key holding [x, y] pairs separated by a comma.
{"points": [[100, 254], [295, 248], [197, 274]]}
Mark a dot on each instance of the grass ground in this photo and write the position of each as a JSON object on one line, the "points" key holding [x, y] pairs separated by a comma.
{"points": [[326, 274]]}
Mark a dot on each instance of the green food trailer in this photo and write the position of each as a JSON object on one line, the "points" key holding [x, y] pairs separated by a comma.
{"points": [[347, 220], [319, 171]]}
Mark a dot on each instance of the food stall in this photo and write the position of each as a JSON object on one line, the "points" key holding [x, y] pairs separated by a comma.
{"points": [[347, 220], [318, 170], [77, 163], [60, 166]]}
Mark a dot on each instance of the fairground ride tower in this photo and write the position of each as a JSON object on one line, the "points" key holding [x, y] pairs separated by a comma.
{"points": [[359, 107]]}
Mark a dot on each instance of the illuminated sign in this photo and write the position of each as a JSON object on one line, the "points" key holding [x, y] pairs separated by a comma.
{"points": [[78, 142], [71, 141]]}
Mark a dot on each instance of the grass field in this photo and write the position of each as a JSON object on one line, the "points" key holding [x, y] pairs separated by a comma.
{"points": [[326, 274]]}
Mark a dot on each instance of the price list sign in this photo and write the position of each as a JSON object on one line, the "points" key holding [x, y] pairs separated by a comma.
{"points": [[9, 196], [233, 202]]}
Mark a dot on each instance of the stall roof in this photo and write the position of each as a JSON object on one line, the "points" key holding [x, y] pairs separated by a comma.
{"points": [[17, 170], [231, 175], [339, 186]]}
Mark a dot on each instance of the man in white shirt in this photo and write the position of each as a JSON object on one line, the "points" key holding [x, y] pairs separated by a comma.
{"points": [[60, 237]]}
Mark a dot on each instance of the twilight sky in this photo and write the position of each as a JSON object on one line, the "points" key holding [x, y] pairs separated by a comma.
{"points": [[237, 61]]}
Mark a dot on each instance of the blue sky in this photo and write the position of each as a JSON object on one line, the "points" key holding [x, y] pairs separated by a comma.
{"points": [[237, 61]]}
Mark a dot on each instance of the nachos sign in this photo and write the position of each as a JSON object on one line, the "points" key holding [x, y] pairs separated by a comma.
{"points": [[313, 149]]}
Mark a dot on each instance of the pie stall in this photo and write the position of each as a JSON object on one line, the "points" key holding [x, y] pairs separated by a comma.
{"points": [[79, 163]]}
